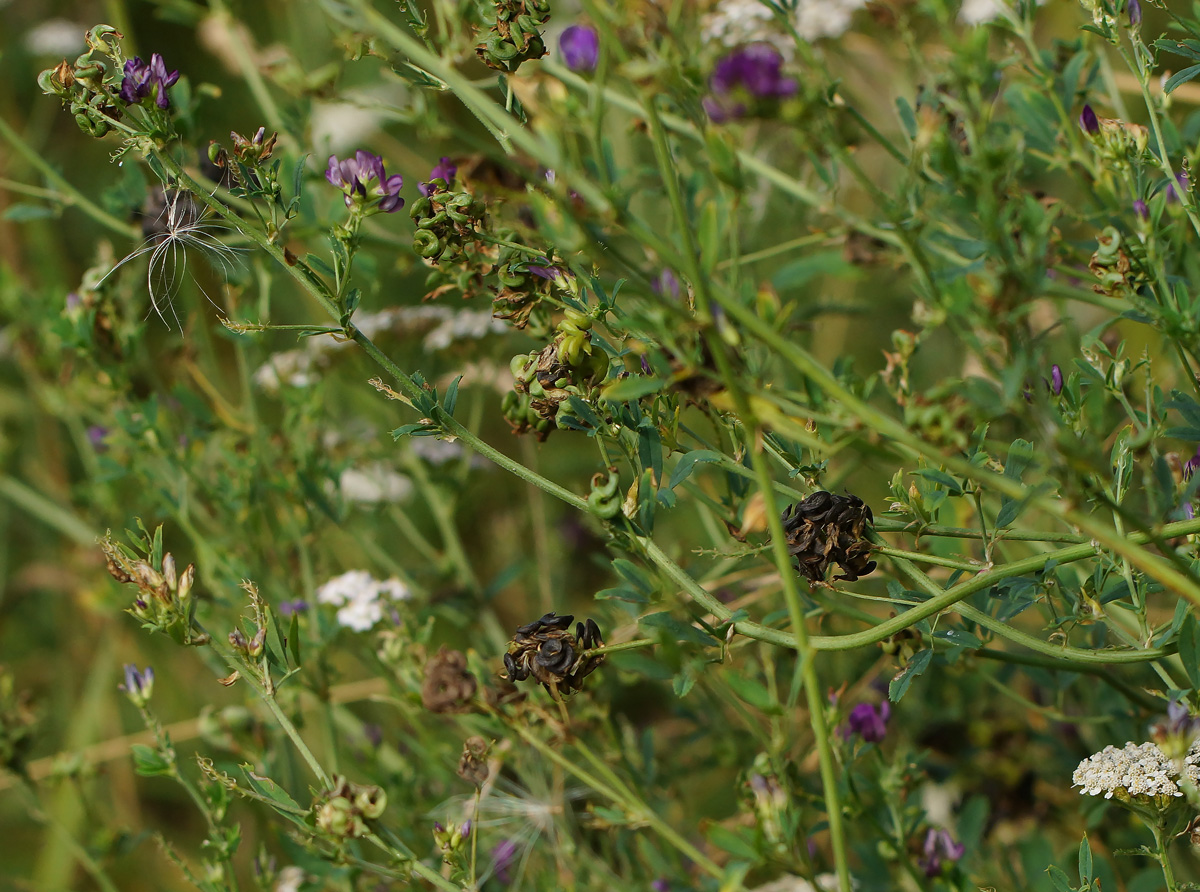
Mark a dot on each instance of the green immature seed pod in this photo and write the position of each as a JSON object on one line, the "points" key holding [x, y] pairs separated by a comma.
{"points": [[427, 244]]}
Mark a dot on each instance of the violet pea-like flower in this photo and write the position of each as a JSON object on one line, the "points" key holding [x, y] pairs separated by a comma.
{"points": [[580, 48], [755, 69], [868, 724], [363, 179], [147, 79], [445, 170], [939, 846]]}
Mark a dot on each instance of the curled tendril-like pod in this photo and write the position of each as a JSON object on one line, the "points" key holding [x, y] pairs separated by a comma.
{"points": [[427, 244], [605, 499], [103, 38]]}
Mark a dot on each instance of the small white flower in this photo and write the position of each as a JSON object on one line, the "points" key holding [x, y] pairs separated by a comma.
{"points": [[290, 879], [374, 483], [293, 368], [395, 589], [354, 585], [361, 615], [465, 325], [56, 37], [435, 451]]}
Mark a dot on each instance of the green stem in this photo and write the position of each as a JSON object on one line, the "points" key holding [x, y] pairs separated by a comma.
{"points": [[1161, 844]]}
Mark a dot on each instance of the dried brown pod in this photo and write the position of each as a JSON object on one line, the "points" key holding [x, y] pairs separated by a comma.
{"points": [[826, 528], [448, 686], [472, 765], [546, 650]]}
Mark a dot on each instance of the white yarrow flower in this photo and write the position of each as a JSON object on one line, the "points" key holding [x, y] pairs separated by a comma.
{"points": [[56, 37], [374, 483], [360, 598], [1136, 770]]}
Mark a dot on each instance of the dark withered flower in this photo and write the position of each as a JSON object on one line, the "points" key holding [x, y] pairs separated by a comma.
{"points": [[546, 650], [472, 765], [448, 686], [826, 528]]}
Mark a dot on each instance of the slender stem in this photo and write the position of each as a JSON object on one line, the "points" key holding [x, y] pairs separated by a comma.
{"points": [[1161, 844]]}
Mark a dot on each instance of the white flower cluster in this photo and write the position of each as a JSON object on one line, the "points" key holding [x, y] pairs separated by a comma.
{"points": [[735, 23], [359, 597], [372, 484], [442, 327], [980, 12], [1137, 769]]}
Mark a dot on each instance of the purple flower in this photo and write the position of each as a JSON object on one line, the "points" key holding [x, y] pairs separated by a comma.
{"points": [[667, 284], [1190, 466], [1088, 121], [939, 844], [354, 175], [74, 301], [142, 79], [661, 885], [1181, 179], [1135, 13], [287, 608], [503, 856], [138, 685], [1141, 209], [1056, 380], [580, 47], [755, 69], [96, 435], [868, 724], [445, 170]]}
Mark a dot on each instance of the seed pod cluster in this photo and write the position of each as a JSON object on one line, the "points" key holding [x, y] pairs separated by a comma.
{"points": [[546, 650], [825, 528], [448, 686]]}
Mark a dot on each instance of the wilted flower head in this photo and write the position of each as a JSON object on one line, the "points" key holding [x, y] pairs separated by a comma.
{"points": [[939, 846], [868, 724], [364, 182], [755, 71], [146, 80], [824, 528], [580, 47], [448, 686], [546, 649]]}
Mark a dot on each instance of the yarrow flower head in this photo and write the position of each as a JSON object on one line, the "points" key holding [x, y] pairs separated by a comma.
{"points": [[580, 48], [1138, 773], [359, 597], [145, 80], [365, 183], [754, 70]]}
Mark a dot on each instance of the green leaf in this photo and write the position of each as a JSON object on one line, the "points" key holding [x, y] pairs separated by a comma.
{"points": [[583, 409], [26, 212], [275, 794], [916, 666], [1085, 862], [752, 692], [148, 762], [1181, 77], [1187, 48], [677, 629], [1189, 649], [709, 232], [293, 639], [684, 682], [451, 398], [632, 388], [941, 478], [1059, 879], [319, 265], [298, 177], [738, 843], [908, 119], [634, 575], [800, 272], [687, 464], [621, 593]]}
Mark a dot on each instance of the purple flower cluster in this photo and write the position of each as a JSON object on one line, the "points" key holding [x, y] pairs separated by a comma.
{"points": [[755, 70], [362, 178], [145, 80], [868, 724], [939, 846], [445, 170]]}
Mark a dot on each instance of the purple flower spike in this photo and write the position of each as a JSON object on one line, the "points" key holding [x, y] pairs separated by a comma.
{"points": [[868, 724], [1056, 380], [1135, 13], [939, 845], [1141, 209], [138, 685], [354, 175], [1088, 121], [445, 169], [580, 48], [144, 80]]}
